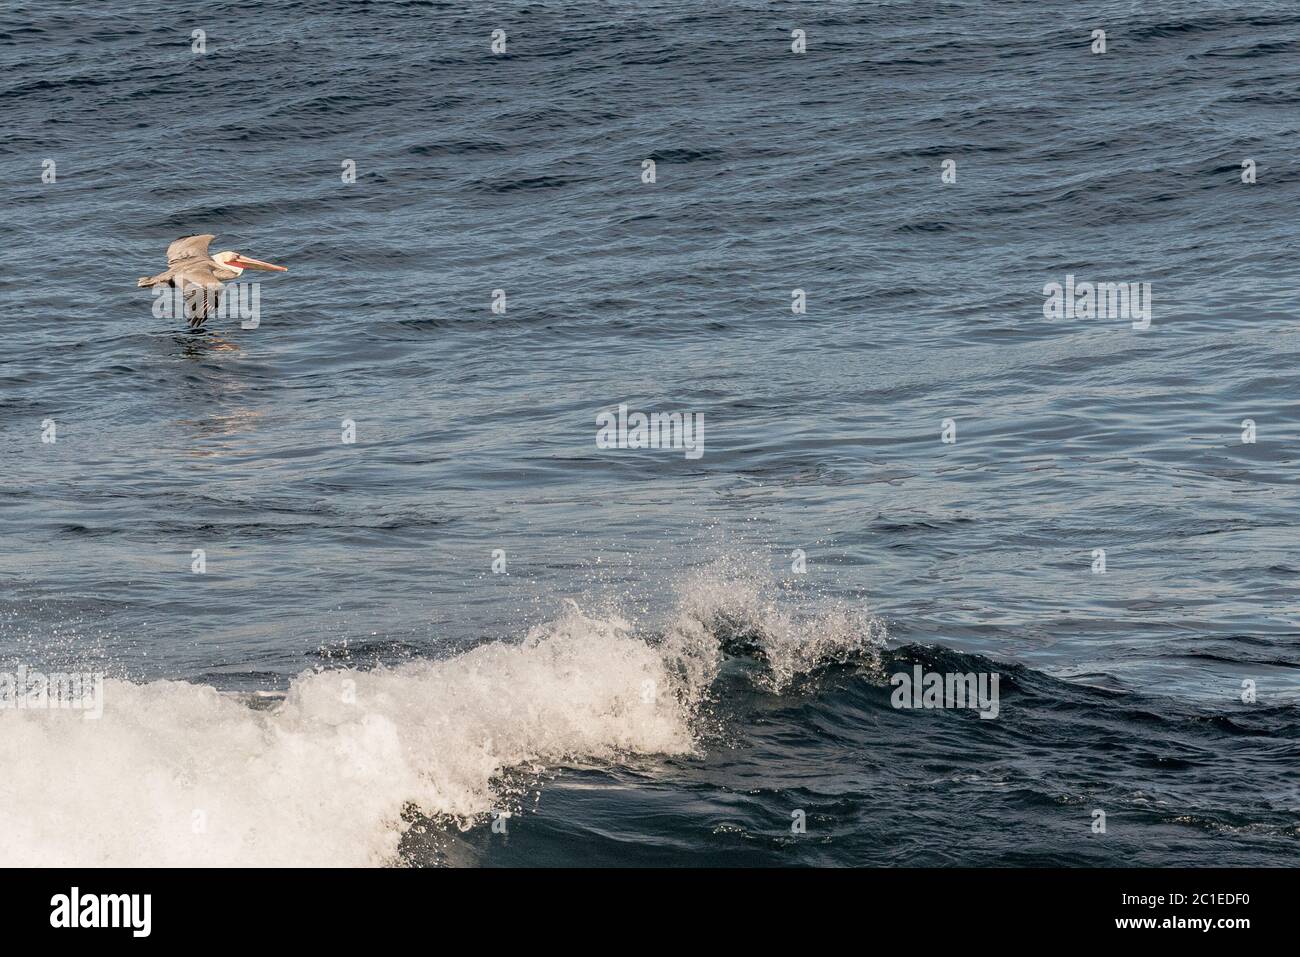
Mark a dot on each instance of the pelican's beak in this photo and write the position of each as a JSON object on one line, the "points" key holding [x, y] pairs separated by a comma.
{"points": [[245, 262]]}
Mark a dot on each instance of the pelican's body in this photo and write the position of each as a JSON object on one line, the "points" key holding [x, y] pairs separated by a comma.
{"points": [[190, 269]]}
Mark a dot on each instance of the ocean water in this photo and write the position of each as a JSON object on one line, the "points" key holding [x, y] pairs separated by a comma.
{"points": [[677, 659]]}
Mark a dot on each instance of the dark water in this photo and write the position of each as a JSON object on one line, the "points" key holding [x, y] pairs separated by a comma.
{"points": [[369, 565]]}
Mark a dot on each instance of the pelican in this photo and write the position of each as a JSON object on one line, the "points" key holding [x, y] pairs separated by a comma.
{"points": [[189, 267]]}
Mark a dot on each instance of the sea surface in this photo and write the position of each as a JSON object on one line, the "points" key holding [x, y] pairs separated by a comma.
{"points": [[473, 637]]}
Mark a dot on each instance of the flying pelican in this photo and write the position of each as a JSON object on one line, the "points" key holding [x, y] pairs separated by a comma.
{"points": [[189, 267]]}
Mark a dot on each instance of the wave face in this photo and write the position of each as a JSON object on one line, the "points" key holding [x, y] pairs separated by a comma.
{"points": [[593, 741]]}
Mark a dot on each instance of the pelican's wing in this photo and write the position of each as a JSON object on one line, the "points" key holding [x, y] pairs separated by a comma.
{"points": [[201, 281], [191, 247]]}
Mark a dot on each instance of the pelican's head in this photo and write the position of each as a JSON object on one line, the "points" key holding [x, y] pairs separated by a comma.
{"points": [[237, 263]]}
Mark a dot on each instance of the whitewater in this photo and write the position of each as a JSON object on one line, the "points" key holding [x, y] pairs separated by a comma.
{"points": [[336, 771]]}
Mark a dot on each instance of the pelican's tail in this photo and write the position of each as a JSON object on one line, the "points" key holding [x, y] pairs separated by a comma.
{"points": [[157, 280]]}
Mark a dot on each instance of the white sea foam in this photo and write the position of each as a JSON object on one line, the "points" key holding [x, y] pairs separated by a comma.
{"points": [[739, 600], [179, 774]]}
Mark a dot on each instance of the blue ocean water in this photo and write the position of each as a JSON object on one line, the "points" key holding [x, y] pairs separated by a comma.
{"points": [[674, 657]]}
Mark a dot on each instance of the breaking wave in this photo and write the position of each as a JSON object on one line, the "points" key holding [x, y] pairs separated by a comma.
{"points": [[333, 773]]}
